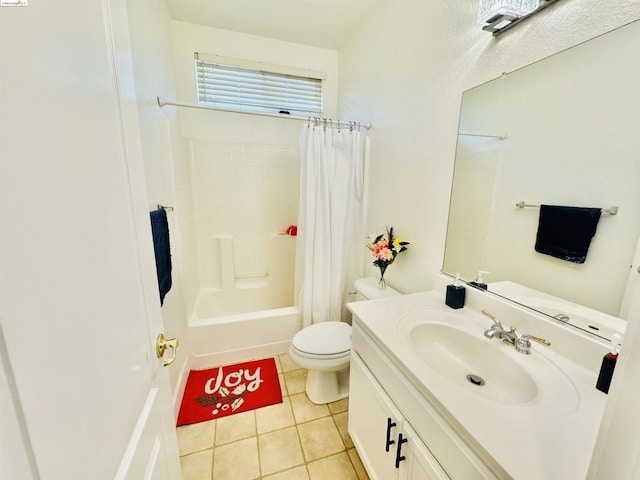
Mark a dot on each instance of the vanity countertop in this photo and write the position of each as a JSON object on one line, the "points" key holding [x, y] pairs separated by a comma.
{"points": [[549, 437]]}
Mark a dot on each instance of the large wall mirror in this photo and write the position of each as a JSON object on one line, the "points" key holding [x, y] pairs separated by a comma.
{"points": [[562, 131]]}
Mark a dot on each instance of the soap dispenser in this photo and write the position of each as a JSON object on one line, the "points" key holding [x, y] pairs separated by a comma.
{"points": [[479, 281], [608, 365], [455, 294]]}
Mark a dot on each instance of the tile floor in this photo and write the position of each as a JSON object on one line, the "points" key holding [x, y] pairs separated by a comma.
{"points": [[294, 440]]}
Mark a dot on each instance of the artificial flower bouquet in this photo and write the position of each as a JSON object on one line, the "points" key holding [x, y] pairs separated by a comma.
{"points": [[385, 248]]}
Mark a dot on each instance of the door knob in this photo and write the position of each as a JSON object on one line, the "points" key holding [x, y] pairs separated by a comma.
{"points": [[161, 346]]}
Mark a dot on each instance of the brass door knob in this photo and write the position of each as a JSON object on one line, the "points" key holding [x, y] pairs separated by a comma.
{"points": [[162, 344]]}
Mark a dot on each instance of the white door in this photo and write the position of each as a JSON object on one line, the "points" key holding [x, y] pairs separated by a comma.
{"points": [[79, 310]]}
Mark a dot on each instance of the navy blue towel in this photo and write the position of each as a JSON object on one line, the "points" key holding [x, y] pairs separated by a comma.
{"points": [[566, 232], [160, 232]]}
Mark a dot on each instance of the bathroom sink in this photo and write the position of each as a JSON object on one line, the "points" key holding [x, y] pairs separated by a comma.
{"points": [[472, 360], [453, 347]]}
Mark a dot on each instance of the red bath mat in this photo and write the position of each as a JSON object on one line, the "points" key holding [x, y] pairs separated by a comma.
{"points": [[230, 389]]}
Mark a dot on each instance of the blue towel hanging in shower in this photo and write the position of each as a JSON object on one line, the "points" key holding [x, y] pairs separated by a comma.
{"points": [[160, 232]]}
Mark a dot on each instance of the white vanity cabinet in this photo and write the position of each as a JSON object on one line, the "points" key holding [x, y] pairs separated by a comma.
{"points": [[388, 446], [397, 433]]}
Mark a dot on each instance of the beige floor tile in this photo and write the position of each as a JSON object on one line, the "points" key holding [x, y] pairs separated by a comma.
{"points": [[298, 473], [357, 464], [339, 406], [196, 437], [280, 450], [197, 466], [335, 467], [287, 364], [283, 385], [319, 438], [304, 410], [296, 381], [237, 460], [235, 427], [278, 365], [342, 420], [274, 417]]}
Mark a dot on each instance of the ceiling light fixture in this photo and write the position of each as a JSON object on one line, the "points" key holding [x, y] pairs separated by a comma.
{"points": [[497, 16]]}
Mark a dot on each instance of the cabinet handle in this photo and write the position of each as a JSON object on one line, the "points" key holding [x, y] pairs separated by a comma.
{"points": [[390, 425], [399, 456]]}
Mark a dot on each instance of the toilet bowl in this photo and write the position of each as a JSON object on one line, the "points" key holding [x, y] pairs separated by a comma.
{"points": [[324, 349]]}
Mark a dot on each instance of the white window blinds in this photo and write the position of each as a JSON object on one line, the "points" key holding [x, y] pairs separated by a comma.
{"points": [[231, 85]]}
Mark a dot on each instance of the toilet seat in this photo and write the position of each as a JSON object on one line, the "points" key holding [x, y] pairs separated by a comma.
{"points": [[323, 340]]}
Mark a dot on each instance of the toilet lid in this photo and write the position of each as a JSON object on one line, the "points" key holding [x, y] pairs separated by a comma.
{"points": [[325, 338]]}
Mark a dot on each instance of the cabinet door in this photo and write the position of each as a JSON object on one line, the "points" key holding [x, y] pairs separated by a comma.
{"points": [[419, 462], [374, 423]]}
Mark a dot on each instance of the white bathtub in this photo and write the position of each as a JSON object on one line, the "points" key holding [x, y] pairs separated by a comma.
{"points": [[237, 325]]}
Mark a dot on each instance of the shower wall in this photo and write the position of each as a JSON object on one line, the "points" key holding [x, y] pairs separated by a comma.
{"points": [[244, 193]]}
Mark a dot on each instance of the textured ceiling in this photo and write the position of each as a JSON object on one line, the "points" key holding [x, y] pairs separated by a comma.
{"points": [[321, 23]]}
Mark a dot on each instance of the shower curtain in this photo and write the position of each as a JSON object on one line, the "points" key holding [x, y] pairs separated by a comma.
{"points": [[331, 239]]}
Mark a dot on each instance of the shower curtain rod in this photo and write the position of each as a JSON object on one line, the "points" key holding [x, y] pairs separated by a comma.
{"points": [[328, 121]]}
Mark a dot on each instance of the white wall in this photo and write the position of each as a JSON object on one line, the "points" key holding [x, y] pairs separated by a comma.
{"points": [[163, 148], [404, 69]]}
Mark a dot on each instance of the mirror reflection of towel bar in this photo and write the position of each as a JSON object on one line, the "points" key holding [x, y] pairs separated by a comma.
{"points": [[613, 210]]}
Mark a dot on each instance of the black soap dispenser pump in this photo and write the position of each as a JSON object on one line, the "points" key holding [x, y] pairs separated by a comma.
{"points": [[479, 281], [608, 365], [455, 294]]}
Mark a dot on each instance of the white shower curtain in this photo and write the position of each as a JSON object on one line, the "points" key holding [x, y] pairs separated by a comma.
{"points": [[331, 239]]}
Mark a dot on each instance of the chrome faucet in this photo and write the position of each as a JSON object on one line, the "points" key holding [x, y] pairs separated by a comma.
{"points": [[498, 331], [510, 337]]}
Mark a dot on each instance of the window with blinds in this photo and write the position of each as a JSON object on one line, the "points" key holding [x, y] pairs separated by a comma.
{"points": [[231, 85]]}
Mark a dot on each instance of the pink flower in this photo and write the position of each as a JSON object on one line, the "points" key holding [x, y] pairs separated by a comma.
{"points": [[385, 254], [378, 246]]}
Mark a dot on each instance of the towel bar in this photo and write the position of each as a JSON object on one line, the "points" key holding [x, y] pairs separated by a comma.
{"points": [[613, 210]]}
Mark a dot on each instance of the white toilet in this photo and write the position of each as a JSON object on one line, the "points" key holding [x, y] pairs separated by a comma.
{"points": [[325, 349]]}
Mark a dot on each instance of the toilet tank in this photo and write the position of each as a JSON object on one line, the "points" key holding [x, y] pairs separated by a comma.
{"points": [[367, 289]]}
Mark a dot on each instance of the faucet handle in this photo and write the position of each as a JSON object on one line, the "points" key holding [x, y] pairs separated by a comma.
{"points": [[540, 340], [492, 317], [523, 344]]}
